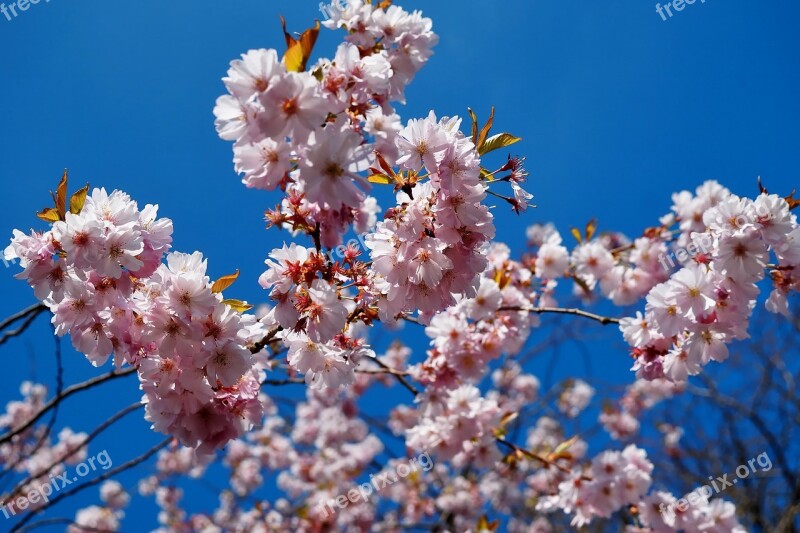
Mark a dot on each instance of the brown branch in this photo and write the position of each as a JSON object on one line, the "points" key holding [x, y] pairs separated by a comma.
{"points": [[390, 371], [538, 457], [287, 381], [263, 343], [604, 320], [35, 309], [16, 332], [400, 377]]}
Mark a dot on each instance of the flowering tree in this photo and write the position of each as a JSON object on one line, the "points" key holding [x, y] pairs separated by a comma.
{"points": [[484, 447]]}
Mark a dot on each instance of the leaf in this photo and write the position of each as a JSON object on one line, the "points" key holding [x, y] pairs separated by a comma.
{"points": [[387, 168], [761, 188], [591, 228], [577, 234], [501, 140], [61, 196], [562, 450], [508, 418], [78, 199], [299, 50], [792, 201], [566, 445], [485, 130], [224, 282], [474, 126], [486, 175], [484, 525], [382, 179], [238, 305], [49, 214]]}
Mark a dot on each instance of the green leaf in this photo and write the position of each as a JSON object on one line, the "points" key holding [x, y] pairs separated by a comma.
{"points": [[495, 142]]}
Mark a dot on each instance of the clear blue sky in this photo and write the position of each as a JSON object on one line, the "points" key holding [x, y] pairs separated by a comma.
{"points": [[617, 108]]}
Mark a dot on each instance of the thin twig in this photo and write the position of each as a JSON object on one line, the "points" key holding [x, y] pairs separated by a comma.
{"points": [[383, 371], [35, 308], [15, 332], [564, 311], [52, 421], [67, 521], [111, 473], [85, 442], [535, 456], [401, 378], [69, 391], [287, 381]]}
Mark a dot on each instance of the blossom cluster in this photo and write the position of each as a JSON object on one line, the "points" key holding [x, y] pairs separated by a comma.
{"points": [[622, 422], [100, 272], [312, 131], [429, 247], [691, 318]]}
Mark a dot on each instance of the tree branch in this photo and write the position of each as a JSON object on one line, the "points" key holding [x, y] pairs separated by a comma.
{"points": [[604, 320], [111, 473], [69, 391]]}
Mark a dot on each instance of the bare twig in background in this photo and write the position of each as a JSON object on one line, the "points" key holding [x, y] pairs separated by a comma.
{"points": [[108, 475], [69, 391]]}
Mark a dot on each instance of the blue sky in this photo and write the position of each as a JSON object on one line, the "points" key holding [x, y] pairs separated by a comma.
{"points": [[617, 109]]}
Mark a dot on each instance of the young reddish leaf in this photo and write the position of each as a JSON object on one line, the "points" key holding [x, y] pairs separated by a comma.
{"points": [[49, 214], [78, 199], [382, 179], [508, 418], [61, 196], [577, 234], [474, 118], [791, 200], [761, 188], [591, 228], [298, 51], [387, 168], [484, 525], [485, 130], [224, 282], [561, 449], [238, 305]]}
